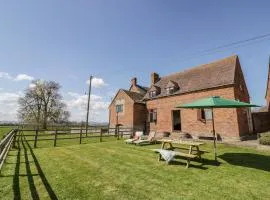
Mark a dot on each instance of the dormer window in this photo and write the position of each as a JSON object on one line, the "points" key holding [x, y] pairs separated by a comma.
{"points": [[154, 91], [171, 87], [170, 90], [153, 94]]}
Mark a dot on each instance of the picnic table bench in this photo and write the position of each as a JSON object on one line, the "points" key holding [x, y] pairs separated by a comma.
{"points": [[193, 150]]}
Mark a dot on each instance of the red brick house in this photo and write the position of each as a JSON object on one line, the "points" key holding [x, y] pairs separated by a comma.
{"points": [[153, 108]]}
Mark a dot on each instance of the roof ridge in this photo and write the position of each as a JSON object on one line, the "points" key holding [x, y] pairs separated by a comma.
{"points": [[200, 66], [142, 87]]}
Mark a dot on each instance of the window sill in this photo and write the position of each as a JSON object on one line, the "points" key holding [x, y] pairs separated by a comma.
{"points": [[205, 120]]}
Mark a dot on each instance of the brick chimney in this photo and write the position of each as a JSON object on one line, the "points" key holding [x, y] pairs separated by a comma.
{"points": [[134, 81], [154, 78]]}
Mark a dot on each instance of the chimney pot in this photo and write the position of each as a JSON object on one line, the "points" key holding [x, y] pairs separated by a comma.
{"points": [[134, 81], [154, 78]]}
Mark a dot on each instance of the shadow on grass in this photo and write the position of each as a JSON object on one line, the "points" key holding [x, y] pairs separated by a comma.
{"points": [[23, 148], [30, 178], [16, 177], [191, 165], [42, 175], [250, 160], [200, 163]]}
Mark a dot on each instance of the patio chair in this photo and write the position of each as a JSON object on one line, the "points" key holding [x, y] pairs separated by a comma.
{"points": [[136, 137], [149, 140]]}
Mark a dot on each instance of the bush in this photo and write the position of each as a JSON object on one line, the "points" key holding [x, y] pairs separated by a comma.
{"points": [[265, 138]]}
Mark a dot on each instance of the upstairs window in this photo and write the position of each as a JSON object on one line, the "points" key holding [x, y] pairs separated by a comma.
{"points": [[170, 90], [153, 115], [204, 114], [153, 94], [119, 108], [171, 87]]}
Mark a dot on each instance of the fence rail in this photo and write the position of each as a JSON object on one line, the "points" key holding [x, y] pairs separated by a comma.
{"points": [[5, 145], [14, 135], [58, 134]]}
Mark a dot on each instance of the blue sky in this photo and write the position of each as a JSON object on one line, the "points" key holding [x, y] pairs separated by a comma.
{"points": [[115, 40]]}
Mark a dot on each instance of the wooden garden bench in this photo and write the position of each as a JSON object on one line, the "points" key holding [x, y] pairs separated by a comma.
{"points": [[193, 150], [187, 156]]}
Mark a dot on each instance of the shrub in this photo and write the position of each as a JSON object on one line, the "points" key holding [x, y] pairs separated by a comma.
{"points": [[265, 138]]}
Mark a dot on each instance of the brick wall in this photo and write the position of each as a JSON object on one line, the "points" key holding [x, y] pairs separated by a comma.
{"points": [[140, 116], [241, 93], [226, 120], [261, 121], [125, 117]]}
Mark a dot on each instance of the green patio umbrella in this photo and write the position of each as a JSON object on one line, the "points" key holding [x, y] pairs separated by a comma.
{"points": [[215, 102]]}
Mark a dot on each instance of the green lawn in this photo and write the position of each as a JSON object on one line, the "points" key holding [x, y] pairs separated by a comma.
{"points": [[114, 170], [4, 130]]}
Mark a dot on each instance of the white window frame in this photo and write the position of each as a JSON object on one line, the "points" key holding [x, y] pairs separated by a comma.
{"points": [[153, 94]]}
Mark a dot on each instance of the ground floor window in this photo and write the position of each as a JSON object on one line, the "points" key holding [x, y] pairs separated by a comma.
{"points": [[176, 120], [153, 115], [204, 114]]}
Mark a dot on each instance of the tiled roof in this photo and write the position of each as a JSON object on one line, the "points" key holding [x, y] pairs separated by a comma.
{"points": [[211, 75], [144, 88], [135, 96]]}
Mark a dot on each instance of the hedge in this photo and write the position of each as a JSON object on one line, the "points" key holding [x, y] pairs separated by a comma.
{"points": [[265, 138]]}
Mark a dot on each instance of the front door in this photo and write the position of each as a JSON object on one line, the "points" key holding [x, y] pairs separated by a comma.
{"points": [[176, 120]]}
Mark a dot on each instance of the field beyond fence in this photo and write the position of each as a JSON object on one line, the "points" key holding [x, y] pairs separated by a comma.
{"points": [[58, 137]]}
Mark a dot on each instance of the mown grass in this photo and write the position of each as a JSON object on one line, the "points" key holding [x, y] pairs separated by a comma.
{"points": [[114, 170], [4, 130]]}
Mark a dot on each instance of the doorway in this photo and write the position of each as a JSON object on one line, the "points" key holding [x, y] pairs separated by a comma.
{"points": [[176, 120]]}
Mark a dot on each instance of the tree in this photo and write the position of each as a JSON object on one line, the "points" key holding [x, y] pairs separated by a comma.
{"points": [[42, 104]]}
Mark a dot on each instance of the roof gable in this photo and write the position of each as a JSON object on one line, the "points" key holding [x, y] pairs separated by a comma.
{"points": [[135, 96], [138, 88], [154, 88], [118, 92], [172, 84]]}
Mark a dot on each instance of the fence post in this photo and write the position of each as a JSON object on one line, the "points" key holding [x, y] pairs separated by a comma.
{"points": [[100, 138], [81, 135], [55, 138], [36, 135], [117, 132], [14, 140]]}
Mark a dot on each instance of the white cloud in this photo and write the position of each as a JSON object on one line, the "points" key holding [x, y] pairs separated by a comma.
{"points": [[77, 105], [9, 105], [5, 75], [97, 82], [22, 77], [19, 77]]}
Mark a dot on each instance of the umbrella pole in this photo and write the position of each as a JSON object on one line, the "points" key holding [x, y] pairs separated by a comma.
{"points": [[214, 135]]}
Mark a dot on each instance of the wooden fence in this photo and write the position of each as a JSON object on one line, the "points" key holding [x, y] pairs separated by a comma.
{"points": [[80, 134], [5, 145], [73, 133]]}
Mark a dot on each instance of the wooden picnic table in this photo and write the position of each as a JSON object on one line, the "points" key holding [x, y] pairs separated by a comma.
{"points": [[193, 150]]}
